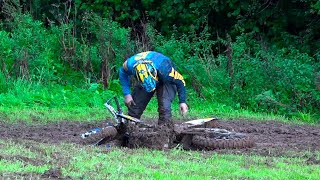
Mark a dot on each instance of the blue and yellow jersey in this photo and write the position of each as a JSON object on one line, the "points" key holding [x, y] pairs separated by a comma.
{"points": [[165, 69]]}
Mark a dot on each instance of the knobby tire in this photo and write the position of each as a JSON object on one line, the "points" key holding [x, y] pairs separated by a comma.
{"points": [[209, 143]]}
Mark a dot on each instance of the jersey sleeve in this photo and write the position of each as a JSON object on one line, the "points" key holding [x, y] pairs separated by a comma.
{"points": [[124, 81]]}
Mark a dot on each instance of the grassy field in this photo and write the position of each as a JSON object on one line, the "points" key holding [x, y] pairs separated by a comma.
{"points": [[20, 158]]}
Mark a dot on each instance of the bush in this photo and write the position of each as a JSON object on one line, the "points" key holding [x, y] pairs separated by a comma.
{"points": [[33, 49]]}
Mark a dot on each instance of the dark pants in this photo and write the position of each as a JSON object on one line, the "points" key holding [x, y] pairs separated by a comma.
{"points": [[165, 95]]}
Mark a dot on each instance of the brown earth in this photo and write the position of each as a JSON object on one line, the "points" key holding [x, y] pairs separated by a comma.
{"points": [[272, 138]]}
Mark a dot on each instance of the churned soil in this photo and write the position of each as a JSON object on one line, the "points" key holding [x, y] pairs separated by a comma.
{"points": [[275, 138], [272, 138]]}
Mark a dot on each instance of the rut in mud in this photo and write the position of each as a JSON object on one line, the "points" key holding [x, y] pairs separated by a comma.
{"points": [[271, 137]]}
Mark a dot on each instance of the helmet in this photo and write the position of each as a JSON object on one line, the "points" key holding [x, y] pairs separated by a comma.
{"points": [[146, 74]]}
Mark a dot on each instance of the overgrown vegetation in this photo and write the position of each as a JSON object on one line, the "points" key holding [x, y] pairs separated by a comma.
{"points": [[257, 56]]}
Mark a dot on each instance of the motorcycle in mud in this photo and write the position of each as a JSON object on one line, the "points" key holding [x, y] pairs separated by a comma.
{"points": [[195, 134]]}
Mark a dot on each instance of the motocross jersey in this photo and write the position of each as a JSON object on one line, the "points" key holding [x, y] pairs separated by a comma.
{"points": [[165, 69]]}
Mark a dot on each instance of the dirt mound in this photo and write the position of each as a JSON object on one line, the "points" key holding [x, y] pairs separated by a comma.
{"points": [[271, 137]]}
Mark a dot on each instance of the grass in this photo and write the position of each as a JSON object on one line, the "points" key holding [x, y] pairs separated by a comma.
{"points": [[83, 162], [39, 114], [20, 167], [42, 114], [32, 102]]}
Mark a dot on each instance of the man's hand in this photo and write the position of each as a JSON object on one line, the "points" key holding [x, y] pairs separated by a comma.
{"points": [[128, 100], [183, 108]]}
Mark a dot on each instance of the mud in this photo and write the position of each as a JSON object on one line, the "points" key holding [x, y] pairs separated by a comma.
{"points": [[54, 173], [66, 131], [159, 137], [271, 137], [276, 138]]}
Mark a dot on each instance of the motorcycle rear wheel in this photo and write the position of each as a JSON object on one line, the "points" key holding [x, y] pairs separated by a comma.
{"points": [[221, 139], [208, 143]]}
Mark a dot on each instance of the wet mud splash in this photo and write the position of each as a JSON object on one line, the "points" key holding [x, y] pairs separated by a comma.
{"points": [[271, 137]]}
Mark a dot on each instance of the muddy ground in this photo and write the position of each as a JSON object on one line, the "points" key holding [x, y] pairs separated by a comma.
{"points": [[271, 138]]}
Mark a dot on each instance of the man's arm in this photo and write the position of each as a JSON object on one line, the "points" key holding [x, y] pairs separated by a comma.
{"points": [[169, 73], [178, 80], [124, 81]]}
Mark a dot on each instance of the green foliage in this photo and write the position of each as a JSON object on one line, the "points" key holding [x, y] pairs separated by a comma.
{"points": [[195, 58], [3, 83], [112, 40], [100, 48], [29, 51], [6, 55], [265, 78], [115, 87], [316, 7], [33, 52], [276, 79]]}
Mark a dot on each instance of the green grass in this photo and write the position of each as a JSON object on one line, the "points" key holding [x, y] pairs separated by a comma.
{"points": [[20, 167], [31, 102], [51, 114], [83, 162], [42, 114]]}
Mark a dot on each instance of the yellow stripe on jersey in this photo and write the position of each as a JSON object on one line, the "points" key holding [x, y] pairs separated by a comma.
{"points": [[177, 75]]}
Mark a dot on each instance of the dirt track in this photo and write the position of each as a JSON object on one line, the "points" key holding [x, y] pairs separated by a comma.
{"points": [[272, 138]]}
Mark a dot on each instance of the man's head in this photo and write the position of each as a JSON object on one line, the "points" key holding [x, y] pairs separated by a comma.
{"points": [[146, 74]]}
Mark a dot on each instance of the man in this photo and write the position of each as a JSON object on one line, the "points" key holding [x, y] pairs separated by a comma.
{"points": [[155, 73]]}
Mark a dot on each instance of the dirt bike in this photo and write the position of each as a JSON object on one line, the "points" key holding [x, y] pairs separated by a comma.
{"points": [[194, 134]]}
